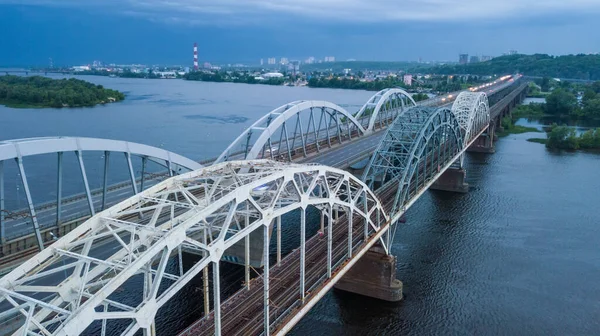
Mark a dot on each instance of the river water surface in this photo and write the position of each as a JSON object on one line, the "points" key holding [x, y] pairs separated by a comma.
{"points": [[518, 255]]}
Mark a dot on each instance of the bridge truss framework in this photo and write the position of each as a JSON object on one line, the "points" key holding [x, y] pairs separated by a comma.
{"points": [[204, 212]]}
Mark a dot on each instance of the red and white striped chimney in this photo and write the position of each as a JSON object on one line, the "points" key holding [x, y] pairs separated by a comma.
{"points": [[195, 56]]}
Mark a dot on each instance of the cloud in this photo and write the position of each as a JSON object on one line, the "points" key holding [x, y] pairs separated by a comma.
{"points": [[360, 11]]}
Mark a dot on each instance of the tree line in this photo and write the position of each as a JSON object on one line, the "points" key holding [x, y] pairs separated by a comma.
{"points": [[586, 67], [37, 91], [234, 77]]}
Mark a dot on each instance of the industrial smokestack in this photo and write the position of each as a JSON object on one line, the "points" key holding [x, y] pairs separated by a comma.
{"points": [[195, 56]]}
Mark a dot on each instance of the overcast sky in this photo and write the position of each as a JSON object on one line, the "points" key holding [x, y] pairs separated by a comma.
{"points": [[163, 31]]}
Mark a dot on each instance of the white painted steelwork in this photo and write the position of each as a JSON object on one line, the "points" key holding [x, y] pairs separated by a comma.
{"points": [[206, 211], [383, 107], [21, 148], [292, 129], [472, 112]]}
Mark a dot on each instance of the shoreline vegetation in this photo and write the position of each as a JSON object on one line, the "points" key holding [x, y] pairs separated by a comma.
{"points": [[564, 101], [565, 137], [43, 92]]}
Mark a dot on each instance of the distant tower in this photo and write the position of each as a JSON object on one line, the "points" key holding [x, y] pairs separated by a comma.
{"points": [[195, 56]]}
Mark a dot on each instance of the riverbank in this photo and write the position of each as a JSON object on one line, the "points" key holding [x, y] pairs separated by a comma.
{"points": [[565, 137], [509, 127], [43, 92]]}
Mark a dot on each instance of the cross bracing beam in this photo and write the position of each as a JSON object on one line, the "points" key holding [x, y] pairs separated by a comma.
{"points": [[415, 147], [472, 112], [232, 200], [294, 130], [383, 107]]}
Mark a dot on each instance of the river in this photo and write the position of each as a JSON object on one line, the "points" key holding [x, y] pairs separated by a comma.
{"points": [[517, 255]]}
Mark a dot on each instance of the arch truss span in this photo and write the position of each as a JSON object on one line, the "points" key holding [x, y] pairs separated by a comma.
{"points": [[381, 109], [114, 273], [472, 112], [19, 150], [294, 130], [418, 146]]}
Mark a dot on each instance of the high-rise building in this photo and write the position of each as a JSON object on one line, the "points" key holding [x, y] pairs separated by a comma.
{"points": [[474, 59], [284, 61], [512, 52], [463, 58], [271, 61], [310, 60], [262, 61], [329, 58], [408, 80], [485, 58]]}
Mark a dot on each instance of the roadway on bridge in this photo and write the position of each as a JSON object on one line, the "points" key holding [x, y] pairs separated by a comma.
{"points": [[315, 248], [339, 156]]}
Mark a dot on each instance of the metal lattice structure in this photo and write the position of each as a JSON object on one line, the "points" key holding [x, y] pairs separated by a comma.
{"points": [[420, 144], [381, 109], [472, 111], [19, 149], [204, 212], [294, 130]]}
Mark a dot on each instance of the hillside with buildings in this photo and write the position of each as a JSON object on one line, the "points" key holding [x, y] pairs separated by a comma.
{"points": [[583, 67]]}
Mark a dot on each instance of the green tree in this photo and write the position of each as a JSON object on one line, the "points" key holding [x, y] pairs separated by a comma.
{"points": [[590, 139], [562, 137], [588, 95], [591, 108], [561, 103]]}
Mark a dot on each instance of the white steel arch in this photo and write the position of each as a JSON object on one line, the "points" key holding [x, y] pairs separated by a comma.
{"points": [[375, 106], [20, 148], [472, 112], [274, 124], [13, 149], [206, 211]]}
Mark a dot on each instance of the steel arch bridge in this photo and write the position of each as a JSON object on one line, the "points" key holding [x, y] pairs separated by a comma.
{"points": [[19, 149], [415, 148], [383, 107], [472, 111], [205, 212], [294, 130]]}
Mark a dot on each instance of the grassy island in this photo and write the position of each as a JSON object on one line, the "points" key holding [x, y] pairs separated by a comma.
{"points": [[37, 91], [565, 137]]}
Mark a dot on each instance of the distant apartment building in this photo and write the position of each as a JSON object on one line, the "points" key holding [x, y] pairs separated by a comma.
{"points": [[474, 59], [79, 68], [284, 61], [329, 58], [271, 61], [485, 58], [408, 80], [262, 61], [310, 60], [512, 52], [463, 58]]}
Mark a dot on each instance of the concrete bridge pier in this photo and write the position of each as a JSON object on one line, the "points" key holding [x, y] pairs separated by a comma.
{"points": [[373, 275], [485, 142], [452, 180]]}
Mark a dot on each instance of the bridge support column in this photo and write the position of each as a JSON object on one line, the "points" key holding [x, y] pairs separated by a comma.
{"points": [[374, 275], [452, 180], [485, 142]]}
